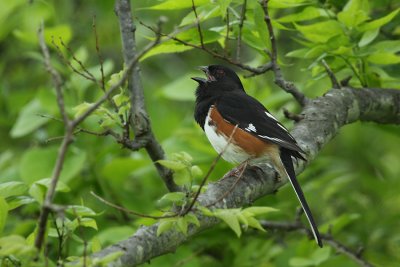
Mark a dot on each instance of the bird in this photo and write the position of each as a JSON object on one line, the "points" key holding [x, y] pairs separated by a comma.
{"points": [[242, 129]]}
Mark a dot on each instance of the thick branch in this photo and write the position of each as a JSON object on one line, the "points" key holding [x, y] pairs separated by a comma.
{"points": [[323, 118], [140, 119]]}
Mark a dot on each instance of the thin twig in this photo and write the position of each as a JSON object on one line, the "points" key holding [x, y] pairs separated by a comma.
{"points": [[254, 70], [297, 225], [69, 64], [81, 130], [241, 21], [334, 81], [131, 211], [227, 192], [198, 24], [292, 116], [101, 61], [46, 207], [82, 235], [56, 77], [279, 79], [226, 48], [84, 69], [210, 170]]}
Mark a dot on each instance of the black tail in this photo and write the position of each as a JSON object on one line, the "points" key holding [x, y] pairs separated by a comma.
{"points": [[286, 159]]}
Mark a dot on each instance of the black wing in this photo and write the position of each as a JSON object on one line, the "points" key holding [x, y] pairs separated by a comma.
{"points": [[251, 116]]}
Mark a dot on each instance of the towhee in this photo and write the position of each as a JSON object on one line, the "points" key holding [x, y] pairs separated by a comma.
{"points": [[222, 105]]}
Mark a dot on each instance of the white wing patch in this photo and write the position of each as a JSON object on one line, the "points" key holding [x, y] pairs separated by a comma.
{"points": [[251, 128], [270, 115], [280, 125], [272, 138]]}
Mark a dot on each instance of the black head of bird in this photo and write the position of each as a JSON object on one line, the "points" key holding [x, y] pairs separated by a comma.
{"points": [[220, 78]]}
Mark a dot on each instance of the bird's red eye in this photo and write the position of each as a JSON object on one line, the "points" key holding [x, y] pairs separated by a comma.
{"points": [[220, 72]]}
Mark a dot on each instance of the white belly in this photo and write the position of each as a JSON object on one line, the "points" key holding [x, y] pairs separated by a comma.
{"points": [[232, 153]]}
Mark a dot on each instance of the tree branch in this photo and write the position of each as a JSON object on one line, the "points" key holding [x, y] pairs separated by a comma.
{"points": [[140, 123], [323, 118], [327, 238]]}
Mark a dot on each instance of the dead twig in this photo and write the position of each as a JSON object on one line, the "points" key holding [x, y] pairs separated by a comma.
{"points": [[279, 79], [241, 22], [334, 81], [198, 24]]}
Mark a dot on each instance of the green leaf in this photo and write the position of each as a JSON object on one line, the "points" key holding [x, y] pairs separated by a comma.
{"points": [[16, 202], [386, 46], [300, 262], [340, 223], [307, 13], [88, 222], [252, 39], [379, 22], [168, 199], [182, 225], [166, 48], [230, 218], [174, 196], [3, 213], [203, 13], [63, 31], [171, 164], [12, 189], [181, 89], [81, 108], [354, 13], [191, 218], [38, 189], [205, 211], [28, 119], [259, 210], [242, 219], [121, 99], [320, 255], [320, 32], [384, 58], [223, 6], [253, 222], [37, 163], [183, 156], [299, 53], [261, 27], [95, 244], [103, 261], [177, 4], [196, 171], [14, 245], [182, 177], [81, 211], [368, 37], [164, 226], [287, 3]]}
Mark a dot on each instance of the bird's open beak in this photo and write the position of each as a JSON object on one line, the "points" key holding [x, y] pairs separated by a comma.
{"points": [[207, 73], [199, 79]]}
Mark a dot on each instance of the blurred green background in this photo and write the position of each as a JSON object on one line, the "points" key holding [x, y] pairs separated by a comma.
{"points": [[353, 184]]}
